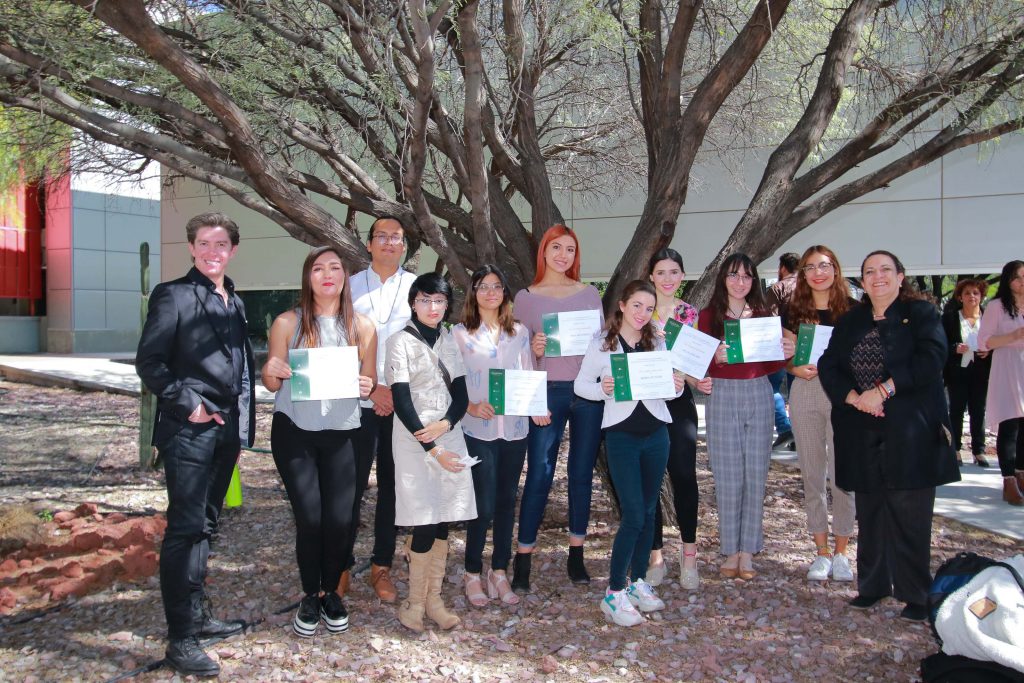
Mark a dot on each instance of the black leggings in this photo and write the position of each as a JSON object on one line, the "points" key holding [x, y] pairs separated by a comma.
{"points": [[682, 469], [1010, 445], [424, 535], [967, 389], [319, 473]]}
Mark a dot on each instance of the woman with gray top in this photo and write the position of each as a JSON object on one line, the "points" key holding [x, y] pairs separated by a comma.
{"points": [[313, 441]]}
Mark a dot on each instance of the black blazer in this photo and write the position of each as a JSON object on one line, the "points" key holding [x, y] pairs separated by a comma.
{"points": [[951, 371], [184, 355], [918, 450]]}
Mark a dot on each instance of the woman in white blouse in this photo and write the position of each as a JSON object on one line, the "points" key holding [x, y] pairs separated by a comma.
{"points": [[489, 337], [637, 442]]}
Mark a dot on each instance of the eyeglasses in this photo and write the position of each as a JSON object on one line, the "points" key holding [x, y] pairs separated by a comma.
{"points": [[433, 303], [490, 288], [823, 267], [739, 277], [383, 238]]}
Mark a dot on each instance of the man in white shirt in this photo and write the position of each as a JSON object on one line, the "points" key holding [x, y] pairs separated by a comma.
{"points": [[381, 292]]}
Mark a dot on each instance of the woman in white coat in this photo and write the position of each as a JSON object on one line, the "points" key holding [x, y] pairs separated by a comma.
{"points": [[433, 484]]}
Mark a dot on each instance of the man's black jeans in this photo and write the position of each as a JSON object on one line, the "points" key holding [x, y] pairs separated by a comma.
{"points": [[198, 461]]}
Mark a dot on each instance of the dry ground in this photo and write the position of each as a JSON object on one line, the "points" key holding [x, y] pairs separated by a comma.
{"points": [[59, 448]]}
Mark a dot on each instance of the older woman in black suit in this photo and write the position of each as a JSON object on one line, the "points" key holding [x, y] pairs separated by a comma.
{"points": [[883, 373], [967, 367]]}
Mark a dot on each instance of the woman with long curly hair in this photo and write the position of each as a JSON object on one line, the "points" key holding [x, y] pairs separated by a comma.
{"points": [[821, 297]]}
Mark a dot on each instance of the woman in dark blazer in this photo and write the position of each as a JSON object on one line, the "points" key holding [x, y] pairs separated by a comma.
{"points": [[967, 368], [883, 373]]}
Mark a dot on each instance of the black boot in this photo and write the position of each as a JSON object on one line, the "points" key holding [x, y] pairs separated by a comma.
{"points": [[577, 572], [186, 657], [521, 572], [207, 625]]}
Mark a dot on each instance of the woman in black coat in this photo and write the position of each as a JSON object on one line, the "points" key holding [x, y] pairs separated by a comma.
{"points": [[883, 373], [967, 368]]}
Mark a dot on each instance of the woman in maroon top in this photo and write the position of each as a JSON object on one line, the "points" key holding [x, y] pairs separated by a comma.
{"points": [[740, 417]]}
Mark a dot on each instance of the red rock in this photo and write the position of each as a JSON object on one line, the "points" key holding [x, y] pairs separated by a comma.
{"points": [[63, 516], [129, 537], [7, 598], [140, 562], [86, 541], [24, 564], [116, 517], [86, 509], [70, 587], [98, 517], [72, 570], [8, 566]]}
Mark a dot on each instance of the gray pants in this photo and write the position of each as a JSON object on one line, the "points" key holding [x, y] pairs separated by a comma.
{"points": [[811, 414], [740, 414]]}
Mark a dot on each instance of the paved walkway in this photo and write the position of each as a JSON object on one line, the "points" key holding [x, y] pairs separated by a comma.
{"points": [[976, 500]]}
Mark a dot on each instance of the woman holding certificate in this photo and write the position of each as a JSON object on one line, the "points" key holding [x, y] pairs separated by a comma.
{"points": [[489, 338], [638, 445], [882, 371], [433, 485], [741, 409], [820, 297], [562, 315], [313, 440], [1002, 332], [666, 272]]}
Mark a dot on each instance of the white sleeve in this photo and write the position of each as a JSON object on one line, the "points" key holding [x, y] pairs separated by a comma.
{"points": [[595, 365]]}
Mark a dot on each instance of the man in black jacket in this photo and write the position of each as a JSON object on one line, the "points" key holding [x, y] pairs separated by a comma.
{"points": [[194, 355]]}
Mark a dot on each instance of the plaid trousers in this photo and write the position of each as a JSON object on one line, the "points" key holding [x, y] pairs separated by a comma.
{"points": [[740, 417]]}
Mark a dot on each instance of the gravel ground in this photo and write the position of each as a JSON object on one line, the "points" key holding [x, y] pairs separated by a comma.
{"points": [[60, 448]]}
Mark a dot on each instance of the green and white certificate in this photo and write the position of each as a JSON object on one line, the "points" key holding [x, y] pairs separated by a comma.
{"points": [[518, 392], [811, 342], [569, 333], [324, 373], [645, 374], [754, 339], [691, 349]]}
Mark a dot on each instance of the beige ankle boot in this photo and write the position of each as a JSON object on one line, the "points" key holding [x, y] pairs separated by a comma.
{"points": [[435, 605], [410, 612]]}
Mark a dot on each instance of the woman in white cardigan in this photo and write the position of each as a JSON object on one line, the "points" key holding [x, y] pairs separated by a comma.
{"points": [[637, 445]]}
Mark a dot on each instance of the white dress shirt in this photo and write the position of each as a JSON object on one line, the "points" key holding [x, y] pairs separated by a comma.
{"points": [[386, 304]]}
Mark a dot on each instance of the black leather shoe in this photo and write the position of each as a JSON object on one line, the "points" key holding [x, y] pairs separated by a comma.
{"points": [[207, 625], [333, 613], [914, 612], [866, 601], [307, 617], [521, 572], [785, 442], [187, 658], [574, 566]]}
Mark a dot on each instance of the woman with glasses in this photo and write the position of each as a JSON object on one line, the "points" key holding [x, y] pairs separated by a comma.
{"points": [[433, 484], [740, 418], [490, 338], [821, 296], [1002, 332], [967, 366], [665, 271], [314, 442], [882, 371], [557, 288]]}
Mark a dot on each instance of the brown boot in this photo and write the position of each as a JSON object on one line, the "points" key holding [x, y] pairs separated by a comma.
{"points": [[435, 605], [380, 580], [343, 584], [1011, 492], [410, 612], [1020, 481]]}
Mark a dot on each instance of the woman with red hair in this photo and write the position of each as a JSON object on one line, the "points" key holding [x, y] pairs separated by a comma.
{"points": [[557, 289]]}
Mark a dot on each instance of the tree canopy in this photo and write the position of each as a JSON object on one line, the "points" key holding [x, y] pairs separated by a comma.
{"points": [[468, 119]]}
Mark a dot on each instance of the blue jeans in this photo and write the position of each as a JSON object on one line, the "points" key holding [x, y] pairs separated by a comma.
{"points": [[782, 424], [496, 484], [637, 465], [584, 418]]}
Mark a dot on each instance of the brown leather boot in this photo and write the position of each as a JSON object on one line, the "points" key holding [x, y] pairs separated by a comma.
{"points": [[343, 584], [380, 580], [1020, 481], [435, 604], [1011, 492], [410, 612]]}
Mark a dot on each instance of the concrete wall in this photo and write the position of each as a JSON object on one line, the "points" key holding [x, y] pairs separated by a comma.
{"points": [[960, 214], [20, 334]]}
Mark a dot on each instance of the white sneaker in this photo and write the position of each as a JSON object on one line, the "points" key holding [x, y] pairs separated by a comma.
{"points": [[643, 597], [618, 609], [819, 569], [656, 573], [688, 576], [841, 570]]}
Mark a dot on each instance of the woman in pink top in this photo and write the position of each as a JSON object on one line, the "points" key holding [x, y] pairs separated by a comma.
{"points": [[1002, 332], [557, 289]]}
